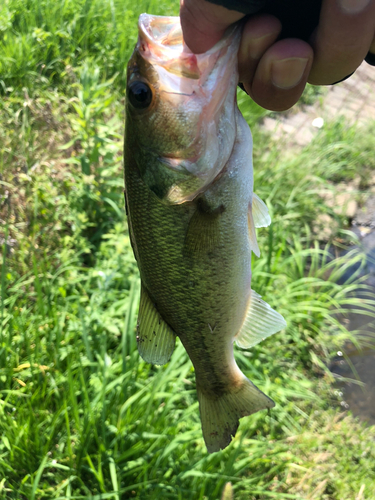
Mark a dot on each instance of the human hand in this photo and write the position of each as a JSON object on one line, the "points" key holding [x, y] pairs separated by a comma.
{"points": [[274, 72]]}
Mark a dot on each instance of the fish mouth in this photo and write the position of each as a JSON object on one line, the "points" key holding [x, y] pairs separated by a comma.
{"points": [[161, 42], [166, 32], [202, 90]]}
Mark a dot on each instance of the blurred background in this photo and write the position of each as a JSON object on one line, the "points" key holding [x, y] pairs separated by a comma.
{"points": [[81, 415]]}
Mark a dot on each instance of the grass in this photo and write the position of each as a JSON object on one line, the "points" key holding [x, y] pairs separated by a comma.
{"points": [[43, 41], [81, 415]]}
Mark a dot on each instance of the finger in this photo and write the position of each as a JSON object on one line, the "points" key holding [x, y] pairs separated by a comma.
{"points": [[370, 57], [342, 39], [372, 46], [203, 23], [259, 33], [281, 75]]}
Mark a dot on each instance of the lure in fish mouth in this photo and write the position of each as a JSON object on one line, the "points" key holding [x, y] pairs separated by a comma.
{"points": [[192, 216]]}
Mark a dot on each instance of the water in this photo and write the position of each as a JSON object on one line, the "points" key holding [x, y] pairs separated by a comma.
{"points": [[360, 399]]}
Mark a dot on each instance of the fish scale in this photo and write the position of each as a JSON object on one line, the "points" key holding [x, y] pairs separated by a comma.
{"points": [[192, 226], [221, 277]]}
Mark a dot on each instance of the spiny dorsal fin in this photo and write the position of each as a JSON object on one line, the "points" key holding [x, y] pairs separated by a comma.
{"points": [[155, 339], [252, 234], [261, 321], [260, 212]]}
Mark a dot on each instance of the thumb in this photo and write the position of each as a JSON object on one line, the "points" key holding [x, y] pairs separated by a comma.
{"points": [[203, 23]]}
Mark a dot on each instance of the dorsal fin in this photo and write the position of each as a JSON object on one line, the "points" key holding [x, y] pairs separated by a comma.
{"points": [[261, 321], [155, 338], [260, 212]]}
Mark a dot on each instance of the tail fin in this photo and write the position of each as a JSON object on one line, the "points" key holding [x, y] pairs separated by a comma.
{"points": [[220, 416]]}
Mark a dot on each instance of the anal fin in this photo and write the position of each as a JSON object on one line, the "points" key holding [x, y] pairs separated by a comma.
{"points": [[155, 338], [261, 322], [260, 212]]}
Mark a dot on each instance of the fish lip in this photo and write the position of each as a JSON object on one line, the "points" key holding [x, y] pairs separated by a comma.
{"points": [[145, 22], [178, 93], [151, 29], [180, 164], [174, 198], [173, 161]]}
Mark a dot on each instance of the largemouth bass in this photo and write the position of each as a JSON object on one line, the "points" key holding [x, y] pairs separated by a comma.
{"points": [[192, 216]]}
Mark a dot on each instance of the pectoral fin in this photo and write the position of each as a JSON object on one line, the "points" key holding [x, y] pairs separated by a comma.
{"points": [[155, 338], [261, 321], [252, 234], [260, 212], [203, 233]]}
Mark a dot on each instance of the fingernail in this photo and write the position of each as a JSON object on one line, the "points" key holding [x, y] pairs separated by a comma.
{"points": [[257, 46], [287, 73], [353, 6]]}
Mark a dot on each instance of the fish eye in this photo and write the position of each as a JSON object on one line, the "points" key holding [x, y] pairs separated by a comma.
{"points": [[140, 95]]}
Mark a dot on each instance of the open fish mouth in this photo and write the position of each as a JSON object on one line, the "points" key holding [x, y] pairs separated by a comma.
{"points": [[166, 31], [161, 42], [191, 117]]}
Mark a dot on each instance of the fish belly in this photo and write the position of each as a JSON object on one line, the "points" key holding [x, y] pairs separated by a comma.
{"points": [[200, 285], [195, 266]]}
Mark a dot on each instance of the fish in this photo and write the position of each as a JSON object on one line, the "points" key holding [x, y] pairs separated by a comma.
{"points": [[192, 216]]}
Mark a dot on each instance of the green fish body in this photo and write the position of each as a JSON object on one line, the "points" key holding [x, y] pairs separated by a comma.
{"points": [[192, 217]]}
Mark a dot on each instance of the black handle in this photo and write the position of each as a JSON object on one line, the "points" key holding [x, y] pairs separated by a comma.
{"points": [[299, 18]]}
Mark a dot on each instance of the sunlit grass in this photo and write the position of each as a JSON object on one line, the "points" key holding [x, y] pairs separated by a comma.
{"points": [[42, 41], [83, 415]]}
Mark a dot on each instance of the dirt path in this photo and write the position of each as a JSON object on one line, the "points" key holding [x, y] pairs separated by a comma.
{"points": [[353, 99]]}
